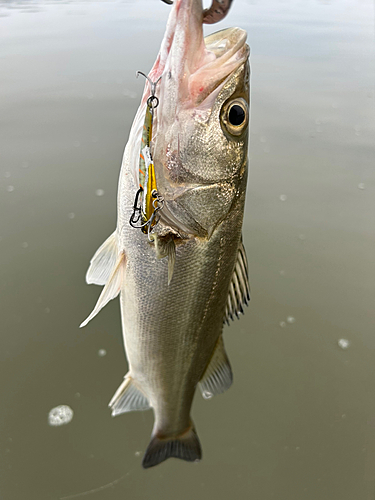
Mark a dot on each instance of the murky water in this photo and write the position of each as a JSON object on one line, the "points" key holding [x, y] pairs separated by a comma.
{"points": [[299, 421]]}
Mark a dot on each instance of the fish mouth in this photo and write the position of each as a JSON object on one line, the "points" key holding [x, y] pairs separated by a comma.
{"points": [[192, 66], [230, 51]]}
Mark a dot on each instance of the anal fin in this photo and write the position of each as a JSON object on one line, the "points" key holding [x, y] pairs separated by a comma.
{"points": [[128, 398], [218, 375]]}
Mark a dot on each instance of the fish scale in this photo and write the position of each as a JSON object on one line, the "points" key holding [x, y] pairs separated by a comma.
{"points": [[179, 320]]}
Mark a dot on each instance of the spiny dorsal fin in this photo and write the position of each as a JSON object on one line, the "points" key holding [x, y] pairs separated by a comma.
{"points": [[185, 446], [166, 247], [101, 265], [239, 288], [111, 289], [128, 398], [218, 375]]}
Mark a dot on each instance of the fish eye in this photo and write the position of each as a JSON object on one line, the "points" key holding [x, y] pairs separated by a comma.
{"points": [[235, 116]]}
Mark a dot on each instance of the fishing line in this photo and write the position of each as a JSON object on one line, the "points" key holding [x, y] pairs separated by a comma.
{"points": [[96, 490]]}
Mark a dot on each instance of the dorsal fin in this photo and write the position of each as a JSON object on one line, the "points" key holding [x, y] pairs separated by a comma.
{"points": [[239, 288], [128, 398], [101, 265], [218, 375], [111, 289]]}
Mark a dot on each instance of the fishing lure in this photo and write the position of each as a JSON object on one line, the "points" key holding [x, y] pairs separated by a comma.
{"points": [[147, 201]]}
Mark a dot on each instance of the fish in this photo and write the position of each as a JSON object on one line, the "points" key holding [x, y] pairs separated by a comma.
{"points": [[182, 272]]}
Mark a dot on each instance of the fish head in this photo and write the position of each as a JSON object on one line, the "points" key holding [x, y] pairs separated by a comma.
{"points": [[200, 131]]}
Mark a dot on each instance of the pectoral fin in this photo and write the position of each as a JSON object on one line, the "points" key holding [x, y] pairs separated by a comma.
{"points": [[101, 265], [239, 288], [166, 247], [128, 398], [111, 289], [218, 375]]}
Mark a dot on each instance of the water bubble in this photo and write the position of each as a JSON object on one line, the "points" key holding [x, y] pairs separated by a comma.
{"points": [[47, 310], [283, 197], [343, 343], [60, 415], [7, 175], [77, 395], [290, 319], [137, 453], [282, 273], [282, 324], [99, 192], [71, 215], [361, 185], [102, 353], [24, 244], [207, 394], [343, 415], [302, 237], [10, 189], [298, 448]]}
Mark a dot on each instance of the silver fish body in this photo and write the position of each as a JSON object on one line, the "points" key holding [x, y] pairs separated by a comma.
{"points": [[179, 285]]}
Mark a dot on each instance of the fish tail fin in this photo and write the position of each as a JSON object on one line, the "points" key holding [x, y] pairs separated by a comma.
{"points": [[185, 446]]}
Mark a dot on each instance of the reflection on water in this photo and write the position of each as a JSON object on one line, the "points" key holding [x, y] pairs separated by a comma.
{"points": [[299, 421]]}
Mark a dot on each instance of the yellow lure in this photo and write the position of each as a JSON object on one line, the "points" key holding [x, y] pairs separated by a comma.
{"points": [[147, 179]]}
